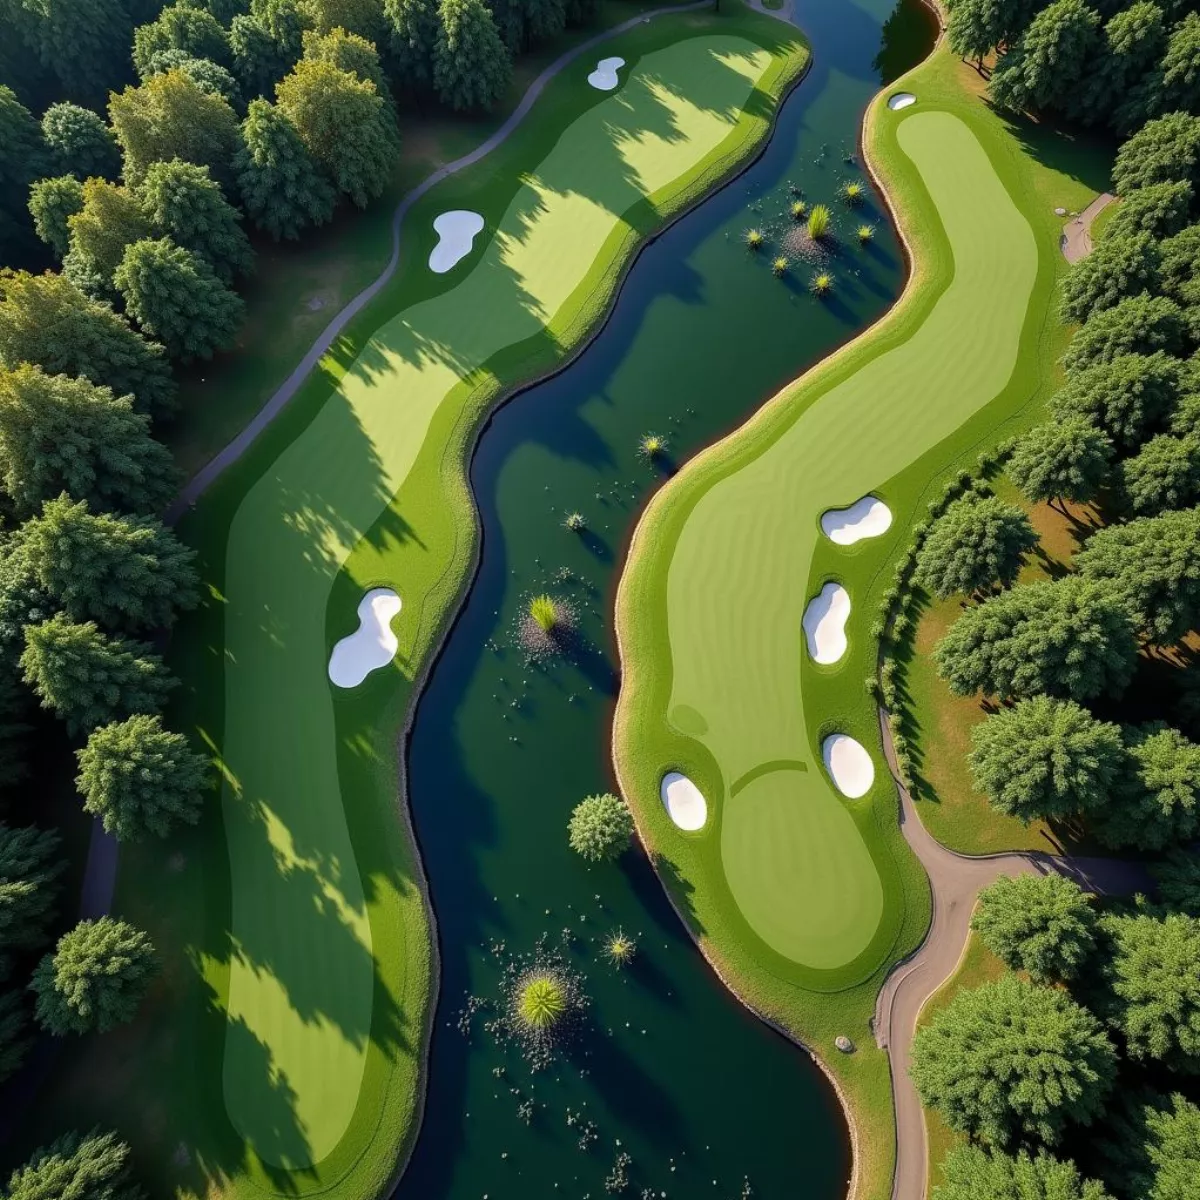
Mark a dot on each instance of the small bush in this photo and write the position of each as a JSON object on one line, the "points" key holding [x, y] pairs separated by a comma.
{"points": [[600, 827]]}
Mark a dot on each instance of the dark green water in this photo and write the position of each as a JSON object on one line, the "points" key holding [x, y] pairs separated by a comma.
{"points": [[669, 1068]]}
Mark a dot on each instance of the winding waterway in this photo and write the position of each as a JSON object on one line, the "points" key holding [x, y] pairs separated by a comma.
{"points": [[669, 1069]]}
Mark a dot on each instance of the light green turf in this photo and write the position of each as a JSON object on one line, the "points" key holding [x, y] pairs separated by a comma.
{"points": [[739, 577], [298, 909]]}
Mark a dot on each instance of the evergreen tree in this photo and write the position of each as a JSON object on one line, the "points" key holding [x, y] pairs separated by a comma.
{"points": [[95, 979], [363, 17], [1157, 801], [59, 434], [976, 27], [1061, 460], [45, 320], [1160, 210], [125, 572], [186, 204], [1180, 84], [22, 602], [1127, 397], [1170, 1144], [14, 706], [140, 779], [109, 220], [976, 543], [51, 203], [175, 296], [266, 44], [22, 157], [1152, 566], [1162, 151], [1051, 61], [1164, 474], [206, 74], [1179, 271], [348, 52], [412, 37], [972, 1173], [525, 23], [1042, 924], [172, 116], [1010, 1060], [94, 1166], [1046, 759], [471, 67], [1134, 41], [182, 26], [1137, 325], [281, 189], [80, 143], [345, 124], [30, 869], [1069, 638], [1117, 268], [1152, 975]]}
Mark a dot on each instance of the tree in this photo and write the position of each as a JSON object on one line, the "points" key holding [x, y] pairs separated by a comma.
{"points": [[1069, 638], [94, 1166], [976, 543], [175, 296], [80, 143], [1166, 1150], [363, 17], [1051, 60], [212, 77], [412, 37], [125, 572], [1046, 759], [95, 979], [187, 205], [22, 602], [14, 724], [471, 67], [977, 27], [89, 678], [1127, 397], [1119, 267], [59, 434], [14, 1033], [51, 203], [109, 220], [140, 778], [1061, 460], [1042, 924], [46, 320], [1152, 977], [1012, 1059], [1156, 803], [1134, 41], [600, 827], [1180, 84], [30, 869], [22, 157], [524, 23], [1137, 325], [266, 44], [1161, 151], [345, 125], [281, 189], [972, 1173], [1177, 875], [180, 27], [172, 116], [1164, 474], [1160, 210], [348, 52], [1152, 566], [1179, 270]]}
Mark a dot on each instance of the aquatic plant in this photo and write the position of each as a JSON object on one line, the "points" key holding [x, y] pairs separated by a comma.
{"points": [[818, 222], [544, 1000], [575, 522], [779, 267], [798, 210], [619, 948], [821, 284], [544, 611], [541, 1001], [755, 239], [600, 828], [866, 233], [652, 445], [853, 193]]}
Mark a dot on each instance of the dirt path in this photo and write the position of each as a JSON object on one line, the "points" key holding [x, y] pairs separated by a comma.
{"points": [[955, 881], [1077, 236]]}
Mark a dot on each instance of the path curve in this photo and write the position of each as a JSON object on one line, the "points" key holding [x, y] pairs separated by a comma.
{"points": [[226, 457], [954, 881], [1076, 239]]}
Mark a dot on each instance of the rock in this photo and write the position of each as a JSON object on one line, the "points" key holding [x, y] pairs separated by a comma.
{"points": [[844, 1044]]}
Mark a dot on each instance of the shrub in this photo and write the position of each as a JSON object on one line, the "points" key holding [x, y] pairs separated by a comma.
{"points": [[544, 612], [754, 239], [821, 284], [866, 233], [600, 827], [818, 222], [779, 267]]}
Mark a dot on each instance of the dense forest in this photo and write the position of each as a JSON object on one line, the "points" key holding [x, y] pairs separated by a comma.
{"points": [[144, 152], [1074, 1075]]}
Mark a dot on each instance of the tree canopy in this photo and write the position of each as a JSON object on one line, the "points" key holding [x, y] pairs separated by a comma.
{"points": [[110, 219], [181, 26], [973, 1173], [79, 142], [978, 542], [1137, 325], [1160, 210], [1165, 473], [471, 67], [94, 1166], [1156, 803], [600, 827], [30, 868], [1127, 397], [1122, 265], [412, 32], [51, 203], [1162, 151], [1051, 60], [1066, 459]]}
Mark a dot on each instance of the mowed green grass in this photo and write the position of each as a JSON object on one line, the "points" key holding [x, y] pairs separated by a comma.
{"points": [[303, 970], [739, 571]]}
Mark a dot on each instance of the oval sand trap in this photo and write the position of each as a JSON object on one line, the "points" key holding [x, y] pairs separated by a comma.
{"points": [[604, 76], [684, 802], [371, 645], [901, 100], [849, 765], [456, 232], [825, 623], [865, 518]]}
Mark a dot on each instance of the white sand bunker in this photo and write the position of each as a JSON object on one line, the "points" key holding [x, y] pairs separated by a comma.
{"points": [[901, 100], [456, 232], [849, 765], [683, 801], [371, 645], [604, 76], [865, 518], [825, 623]]}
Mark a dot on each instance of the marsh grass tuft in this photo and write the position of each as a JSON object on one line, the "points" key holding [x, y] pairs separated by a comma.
{"points": [[798, 210], [544, 611], [818, 222], [821, 284], [853, 193], [779, 267], [755, 240], [865, 233], [575, 522], [619, 948], [541, 1001], [652, 445]]}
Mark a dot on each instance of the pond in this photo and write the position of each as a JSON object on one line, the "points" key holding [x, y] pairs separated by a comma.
{"points": [[668, 1068]]}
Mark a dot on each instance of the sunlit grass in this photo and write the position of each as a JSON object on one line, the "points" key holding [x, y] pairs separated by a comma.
{"points": [[798, 210], [821, 284], [541, 1002], [818, 222], [779, 267], [544, 612], [866, 233], [853, 193], [755, 239]]}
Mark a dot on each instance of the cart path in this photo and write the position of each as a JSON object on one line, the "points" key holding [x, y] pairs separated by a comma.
{"points": [[1077, 236], [954, 882]]}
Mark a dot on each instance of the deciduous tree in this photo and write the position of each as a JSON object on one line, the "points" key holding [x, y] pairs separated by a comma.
{"points": [[1137, 325], [80, 143], [471, 67], [212, 77], [348, 52], [1120, 266], [1051, 60], [973, 1173], [1156, 803], [51, 203], [22, 158], [976, 543], [93, 1166], [412, 37], [1127, 397], [30, 869], [1165, 149], [109, 220], [83, 43], [1061, 460], [266, 44], [185, 27], [1165, 473], [1161, 210]]}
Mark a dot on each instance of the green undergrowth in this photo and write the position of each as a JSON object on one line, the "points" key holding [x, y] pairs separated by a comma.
{"points": [[1040, 170]]}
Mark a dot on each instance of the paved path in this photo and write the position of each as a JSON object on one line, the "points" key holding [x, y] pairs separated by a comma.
{"points": [[955, 880], [1077, 236]]}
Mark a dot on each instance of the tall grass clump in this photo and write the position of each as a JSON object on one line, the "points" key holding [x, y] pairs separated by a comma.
{"points": [[755, 239], [821, 284], [544, 612], [818, 222], [779, 267], [866, 233], [853, 193], [798, 210]]}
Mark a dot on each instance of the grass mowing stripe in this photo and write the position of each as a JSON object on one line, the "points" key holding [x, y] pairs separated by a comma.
{"points": [[302, 976]]}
